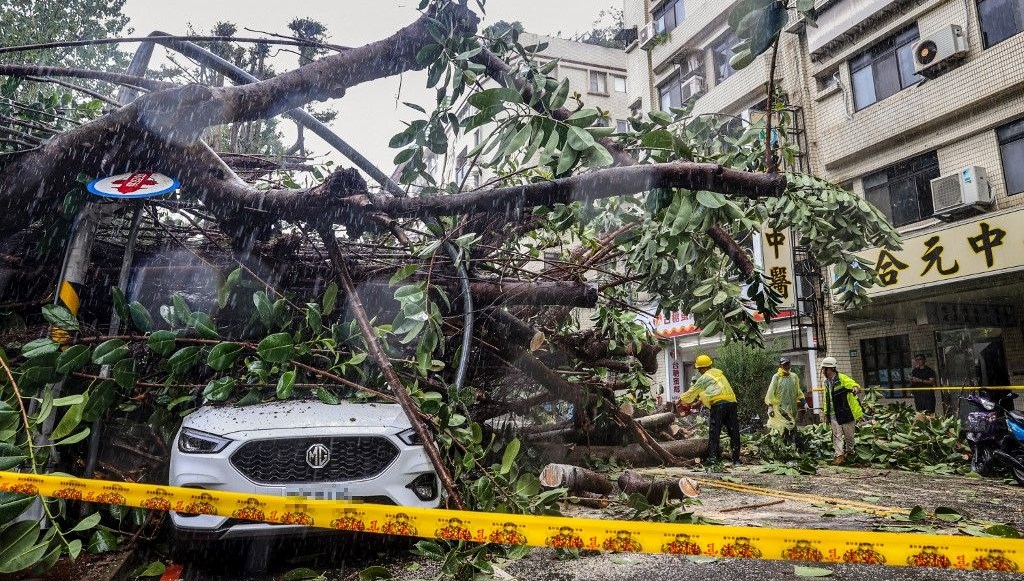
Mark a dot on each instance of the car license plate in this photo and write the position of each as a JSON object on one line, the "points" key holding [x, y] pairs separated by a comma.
{"points": [[320, 492]]}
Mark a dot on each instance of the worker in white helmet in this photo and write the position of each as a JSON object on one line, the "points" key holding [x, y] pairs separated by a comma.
{"points": [[842, 409]]}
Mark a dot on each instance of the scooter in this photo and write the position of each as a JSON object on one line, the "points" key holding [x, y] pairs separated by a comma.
{"points": [[996, 434]]}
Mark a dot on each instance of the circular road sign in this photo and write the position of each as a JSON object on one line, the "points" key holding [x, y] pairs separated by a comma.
{"points": [[140, 184]]}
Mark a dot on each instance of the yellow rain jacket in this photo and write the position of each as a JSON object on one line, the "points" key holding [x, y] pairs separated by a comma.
{"points": [[784, 396], [711, 387]]}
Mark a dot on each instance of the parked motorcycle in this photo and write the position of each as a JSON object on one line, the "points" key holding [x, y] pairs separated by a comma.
{"points": [[996, 434]]}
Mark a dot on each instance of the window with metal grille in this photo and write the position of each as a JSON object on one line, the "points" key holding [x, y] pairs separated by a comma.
{"points": [[884, 69], [887, 364], [723, 53], [903, 191], [1000, 19], [1011, 150], [598, 82]]}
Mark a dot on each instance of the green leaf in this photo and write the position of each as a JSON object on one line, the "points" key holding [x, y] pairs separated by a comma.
{"points": [[60, 317], [661, 118], [598, 156], [223, 355], [511, 452], [73, 359], [374, 573], [330, 298], [583, 117], [120, 303], [264, 309], [918, 513], [204, 325], [109, 352], [75, 549], [219, 389], [810, 571], [566, 160], [141, 318], [301, 574], [151, 570], [224, 292], [11, 505], [124, 373], [710, 199], [327, 396], [276, 348], [658, 139], [102, 541], [86, 523], [402, 274], [161, 342], [491, 97], [181, 309], [285, 384], [100, 399], [313, 318], [1004, 530], [18, 548], [39, 347], [560, 94], [69, 422], [183, 360], [579, 139], [10, 456], [68, 400], [947, 514]]}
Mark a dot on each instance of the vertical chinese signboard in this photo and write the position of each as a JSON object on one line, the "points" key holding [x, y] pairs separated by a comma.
{"points": [[987, 245], [777, 250]]}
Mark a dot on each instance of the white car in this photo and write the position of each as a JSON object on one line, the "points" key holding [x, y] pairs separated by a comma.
{"points": [[361, 451]]}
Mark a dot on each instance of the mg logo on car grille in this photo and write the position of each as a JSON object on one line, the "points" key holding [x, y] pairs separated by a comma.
{"points": [[317, 456]]}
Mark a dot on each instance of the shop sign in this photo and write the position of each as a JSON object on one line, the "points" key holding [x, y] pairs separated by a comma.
{"points": [[677, 324], [777, 254], [987, 245], [140, 184]]}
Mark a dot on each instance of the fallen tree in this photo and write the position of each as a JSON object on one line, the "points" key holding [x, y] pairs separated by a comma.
{"points": [[443, 312]]}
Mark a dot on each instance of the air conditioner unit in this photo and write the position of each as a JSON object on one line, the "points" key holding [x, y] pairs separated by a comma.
{"points": [[963, 192], [692, 87], [936, 51], [648, 36]]}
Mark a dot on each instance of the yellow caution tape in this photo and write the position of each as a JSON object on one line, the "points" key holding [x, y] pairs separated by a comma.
{"points": [[941, 388], [822, 546]]}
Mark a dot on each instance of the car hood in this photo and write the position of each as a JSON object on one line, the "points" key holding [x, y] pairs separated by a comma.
{"points": [[226, 420]]}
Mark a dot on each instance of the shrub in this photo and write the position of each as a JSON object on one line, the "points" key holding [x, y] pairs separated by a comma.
{"points": [[749, 370]]}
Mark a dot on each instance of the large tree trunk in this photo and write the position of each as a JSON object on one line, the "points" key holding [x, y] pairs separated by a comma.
{"points": [[633, 455], [576, 479], [657, 489]]}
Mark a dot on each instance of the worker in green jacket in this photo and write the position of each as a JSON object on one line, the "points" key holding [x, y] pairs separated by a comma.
{"points": [[784, 398], [842, 408], [716, 394]]}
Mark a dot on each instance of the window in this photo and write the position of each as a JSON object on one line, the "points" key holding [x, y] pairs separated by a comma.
{"points": [[461, 166], [678, 89], [903, 192], [598, 82], [884, 69], [722, 51], [669, 16], [1000, 19], [1011, 149], [887, 364], [619, 83], [621, 126]]}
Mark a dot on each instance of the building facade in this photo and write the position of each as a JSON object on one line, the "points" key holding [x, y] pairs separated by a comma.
{"points": [[874, 122]]}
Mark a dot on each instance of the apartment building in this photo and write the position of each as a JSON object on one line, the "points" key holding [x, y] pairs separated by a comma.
{"points": [[679, 52], [917, 105]]}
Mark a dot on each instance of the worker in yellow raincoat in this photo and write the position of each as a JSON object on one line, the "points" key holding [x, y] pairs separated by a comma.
{"points": [[716, 394], [784, 399]]}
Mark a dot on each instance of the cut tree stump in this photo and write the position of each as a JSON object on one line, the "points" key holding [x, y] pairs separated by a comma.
{"points": [[655, 422], [657, 489], [577, 480], [631, 455]]}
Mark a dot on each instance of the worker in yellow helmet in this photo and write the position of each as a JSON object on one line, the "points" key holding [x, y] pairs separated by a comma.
{"points": [[716, 394]]}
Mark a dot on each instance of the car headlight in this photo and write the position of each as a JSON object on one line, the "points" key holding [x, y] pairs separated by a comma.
{"points": [[410, 437], [424, 487], [195, 442]]}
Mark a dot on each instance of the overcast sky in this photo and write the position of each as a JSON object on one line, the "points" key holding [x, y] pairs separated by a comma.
{"points": [[370, 113]]}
